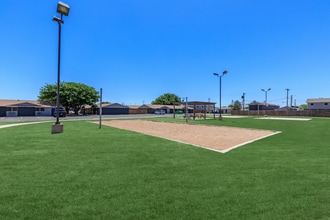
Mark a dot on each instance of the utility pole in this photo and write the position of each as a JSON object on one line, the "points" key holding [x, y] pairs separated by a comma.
{"points": [[243, 100], [287, 98]]}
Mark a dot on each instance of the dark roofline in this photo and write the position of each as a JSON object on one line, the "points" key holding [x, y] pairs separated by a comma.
{"points": [[262, 103], [195, 103]]}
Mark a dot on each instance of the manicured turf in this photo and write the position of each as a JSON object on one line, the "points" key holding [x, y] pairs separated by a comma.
{"points": [[108, 173]]}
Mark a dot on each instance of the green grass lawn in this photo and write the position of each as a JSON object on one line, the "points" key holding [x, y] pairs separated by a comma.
{"points": [[108, 173]]}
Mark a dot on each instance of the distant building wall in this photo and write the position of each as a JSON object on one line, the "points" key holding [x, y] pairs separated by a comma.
{"points": [[43, 112], [318, 105], [26, 111], [137, 111], [2, 111], [114, 111], [262, 107]]}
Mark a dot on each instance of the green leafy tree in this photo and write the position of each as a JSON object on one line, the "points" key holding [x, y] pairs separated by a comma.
{"points": [[72, 95], [166, 99], [303, 106], [237, 105]]}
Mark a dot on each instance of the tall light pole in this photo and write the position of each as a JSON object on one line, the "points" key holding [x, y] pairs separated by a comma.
{"points": [[220, 76], [243, 101], [287, 99], [266, 91], [62, 9]]}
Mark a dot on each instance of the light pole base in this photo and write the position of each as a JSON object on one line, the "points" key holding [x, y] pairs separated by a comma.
{"points": [[220, 118], [57, 129]]}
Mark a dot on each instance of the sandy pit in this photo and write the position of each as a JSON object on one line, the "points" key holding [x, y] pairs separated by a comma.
{"points": [[217, 138]]}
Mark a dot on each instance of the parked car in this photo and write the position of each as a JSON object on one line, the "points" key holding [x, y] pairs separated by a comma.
{"points": [[178, 112], [71, 112], [62, 112], [160, 112]]}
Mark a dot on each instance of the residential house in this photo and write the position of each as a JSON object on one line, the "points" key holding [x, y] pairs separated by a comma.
{"points": [[150, 108], [134, 109], [14, 108], [113, 109], [318, 103], [255, 106]]}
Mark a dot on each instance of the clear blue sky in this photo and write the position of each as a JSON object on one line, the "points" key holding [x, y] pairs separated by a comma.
{"points": [[139, 50]]}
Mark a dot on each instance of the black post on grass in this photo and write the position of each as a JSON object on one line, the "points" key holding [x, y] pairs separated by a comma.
{"points": [[62, 9], [186, 109], [100, 112]]}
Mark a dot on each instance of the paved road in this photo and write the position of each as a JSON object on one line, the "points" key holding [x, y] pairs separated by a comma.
{"points": [[87, 117]]}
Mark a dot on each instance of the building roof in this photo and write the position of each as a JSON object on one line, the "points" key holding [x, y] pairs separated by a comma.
{"points": [[114, 105], [22, 103], [316, 100], [196, 103], [262, 103], [133, 106], [108, 105], [152, 106]]}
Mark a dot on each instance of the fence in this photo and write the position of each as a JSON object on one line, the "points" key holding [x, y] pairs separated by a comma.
{"points": [[310, 112]]}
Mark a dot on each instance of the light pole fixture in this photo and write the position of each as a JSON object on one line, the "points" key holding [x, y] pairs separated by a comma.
{"points": [[266, 105], [266, 91], [220, 76], [62, 9]]}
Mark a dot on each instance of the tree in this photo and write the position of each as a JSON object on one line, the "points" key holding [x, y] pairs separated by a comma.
{"points": [[237, 105], [72, 95], [166, 99], [303, 106]]}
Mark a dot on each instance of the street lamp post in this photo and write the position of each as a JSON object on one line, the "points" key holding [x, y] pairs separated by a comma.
{"points": [[220, 76], [266, 91], [62, 9]]}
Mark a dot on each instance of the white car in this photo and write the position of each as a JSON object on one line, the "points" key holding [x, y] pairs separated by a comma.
{"points": [[159, 112]]}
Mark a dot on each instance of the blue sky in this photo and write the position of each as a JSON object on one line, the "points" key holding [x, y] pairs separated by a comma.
{"points": [[139, 50]]}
